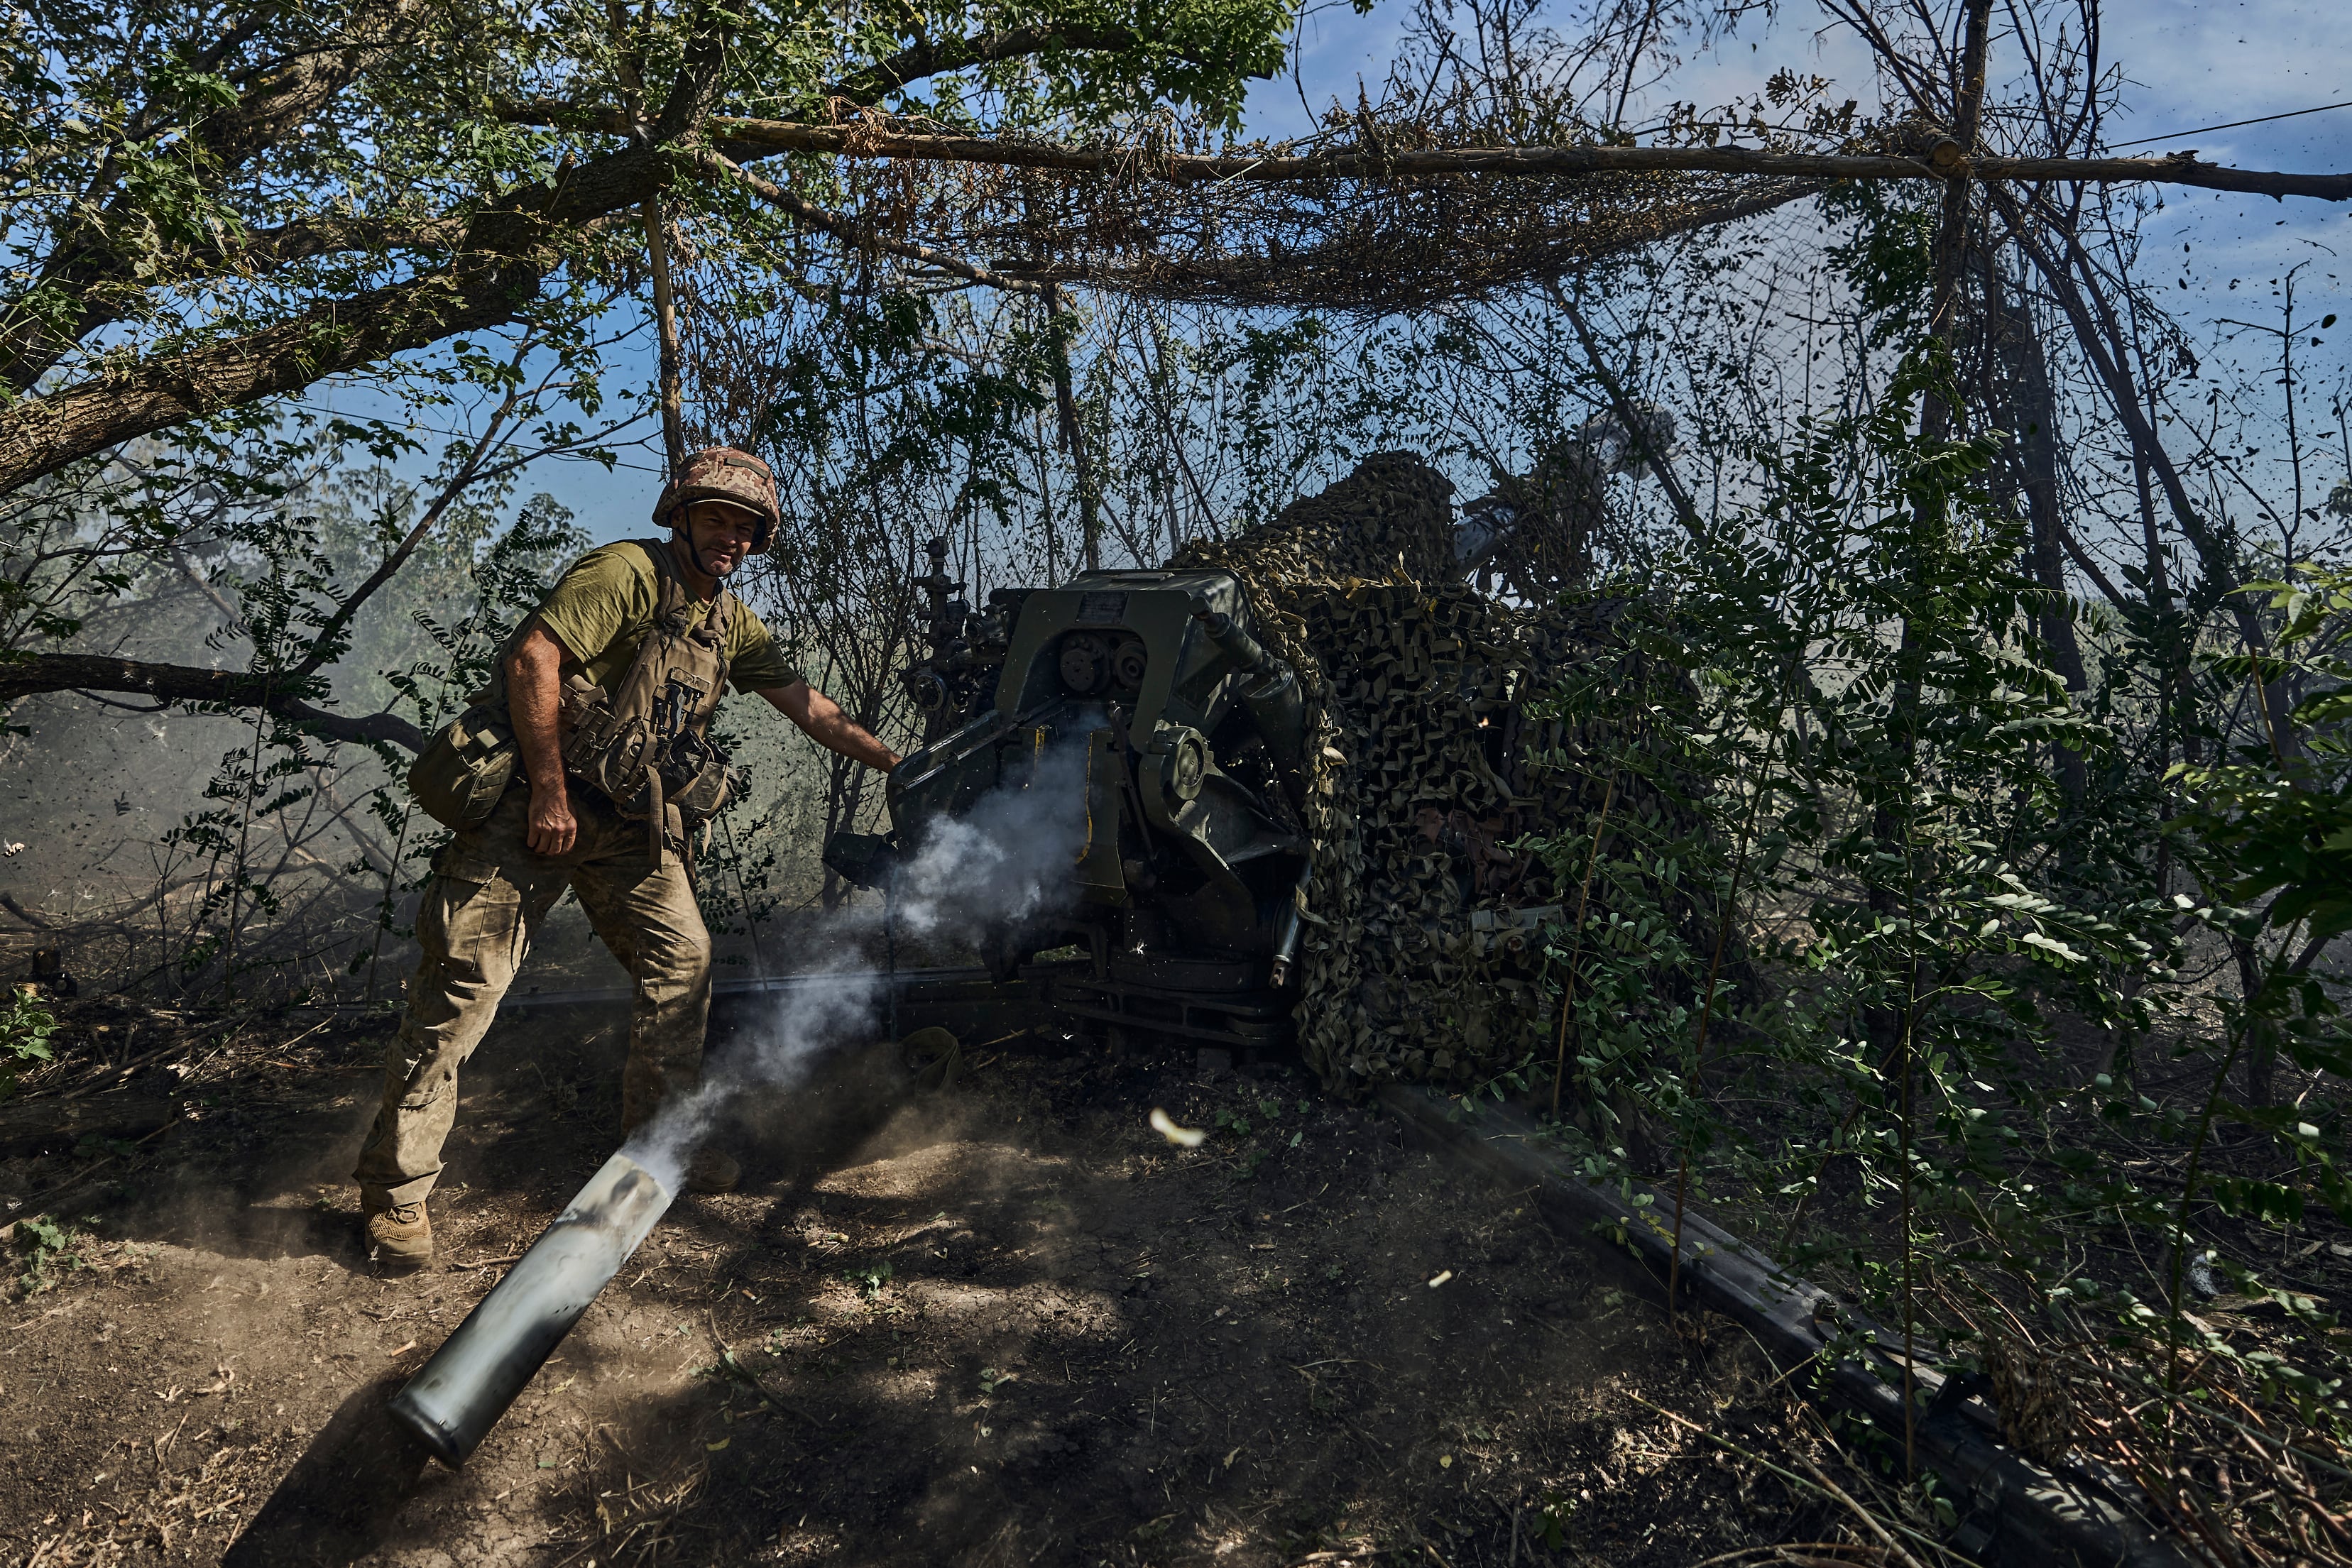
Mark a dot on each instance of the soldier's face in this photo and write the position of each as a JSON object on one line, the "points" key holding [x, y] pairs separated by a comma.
{"points": [[722, 536]]}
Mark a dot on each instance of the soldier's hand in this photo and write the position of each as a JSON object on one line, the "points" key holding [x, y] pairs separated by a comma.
{"points": [[553, 829]]}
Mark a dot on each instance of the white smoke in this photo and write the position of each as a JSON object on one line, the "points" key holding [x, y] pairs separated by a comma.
{"points": [[830, 1010], [1007, 859]]}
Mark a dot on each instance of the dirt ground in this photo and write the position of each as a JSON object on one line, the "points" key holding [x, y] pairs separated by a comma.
{"points": [[998, 1323]]}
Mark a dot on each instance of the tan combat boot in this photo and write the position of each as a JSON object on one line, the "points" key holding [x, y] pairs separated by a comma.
{"points": [[399, 1235]]}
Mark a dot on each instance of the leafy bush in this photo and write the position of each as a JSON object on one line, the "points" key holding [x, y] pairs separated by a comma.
{"points": [[43, 1242], [25, 1026], [1937, 991]]}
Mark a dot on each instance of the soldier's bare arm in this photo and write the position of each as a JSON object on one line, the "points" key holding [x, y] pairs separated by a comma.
{"points": [[535, 698], [822, 720]]}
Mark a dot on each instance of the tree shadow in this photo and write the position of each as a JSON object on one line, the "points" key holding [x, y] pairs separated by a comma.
{"points": [[339, 1501], [789, 1135]]}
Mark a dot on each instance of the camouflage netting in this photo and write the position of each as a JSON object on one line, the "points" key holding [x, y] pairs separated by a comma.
{"points": [[1367, 243], [1425, 783], [1364, 246]]}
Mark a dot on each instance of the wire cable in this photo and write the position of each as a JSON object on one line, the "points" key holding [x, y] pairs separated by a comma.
{"points": [[2233, 125]]}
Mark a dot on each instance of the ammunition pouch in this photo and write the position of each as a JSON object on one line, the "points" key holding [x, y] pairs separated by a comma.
{"points": [[465, 767], [640, 770], [697, 779]]}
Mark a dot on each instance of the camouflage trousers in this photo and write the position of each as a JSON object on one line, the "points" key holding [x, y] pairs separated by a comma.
{"points": [[489, 892]]}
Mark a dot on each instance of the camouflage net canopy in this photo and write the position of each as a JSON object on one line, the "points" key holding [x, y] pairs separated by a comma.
{"points": [[1366, 243], [1424, 948]]}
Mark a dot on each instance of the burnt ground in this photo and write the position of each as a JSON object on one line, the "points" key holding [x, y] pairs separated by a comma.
{"points": [[997, 1322]]}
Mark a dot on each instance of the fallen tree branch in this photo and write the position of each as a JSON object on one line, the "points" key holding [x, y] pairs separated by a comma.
{"points": [[39, 923], [865, 142], [184, 683], [2063, 1515]]}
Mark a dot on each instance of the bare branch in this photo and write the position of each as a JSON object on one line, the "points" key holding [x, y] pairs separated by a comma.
{"points": [[2082, 557], [863, 141], [323, 646], [2217, 550], [1636, 427], [184, 683]]}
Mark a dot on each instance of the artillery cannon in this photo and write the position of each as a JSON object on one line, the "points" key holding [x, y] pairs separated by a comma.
{"points": [[1188, 887], [1317, 793]]}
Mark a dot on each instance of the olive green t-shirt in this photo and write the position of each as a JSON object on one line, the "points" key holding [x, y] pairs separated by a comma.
{"points": [[604, 606]]}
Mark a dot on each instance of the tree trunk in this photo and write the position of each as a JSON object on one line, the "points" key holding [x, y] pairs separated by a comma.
{"points": [[2262, 1055], [2032, 416]]}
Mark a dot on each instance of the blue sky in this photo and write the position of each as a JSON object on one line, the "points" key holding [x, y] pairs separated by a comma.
{"points": [[2189, 64]]}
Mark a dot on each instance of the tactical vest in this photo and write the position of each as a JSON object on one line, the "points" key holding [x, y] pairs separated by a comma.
{"points": [[643, 745]]}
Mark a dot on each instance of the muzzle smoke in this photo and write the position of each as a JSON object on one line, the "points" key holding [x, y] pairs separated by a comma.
{"points": [[1006, 861]]}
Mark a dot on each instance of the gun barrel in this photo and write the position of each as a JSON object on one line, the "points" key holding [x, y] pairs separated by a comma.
{"points": [[458, 1397], [1238, 647]]}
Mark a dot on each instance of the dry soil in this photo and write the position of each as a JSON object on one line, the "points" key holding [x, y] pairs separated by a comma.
{"points": [[995, 1323]]}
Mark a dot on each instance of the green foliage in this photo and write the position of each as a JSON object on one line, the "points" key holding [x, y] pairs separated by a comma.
{"points": [[45, 1245], [1552, 1521], [1847, 884], [2270, 837], [869, 1280], [2277, 824], [25, 1026], [143, 127], [1888, 255], [1862, 743]]}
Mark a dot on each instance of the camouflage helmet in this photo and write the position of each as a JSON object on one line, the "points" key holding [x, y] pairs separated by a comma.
{"points": [[725, 474]]}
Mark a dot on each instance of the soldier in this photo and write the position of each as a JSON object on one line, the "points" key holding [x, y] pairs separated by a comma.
{"points": [[611, 682]]}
